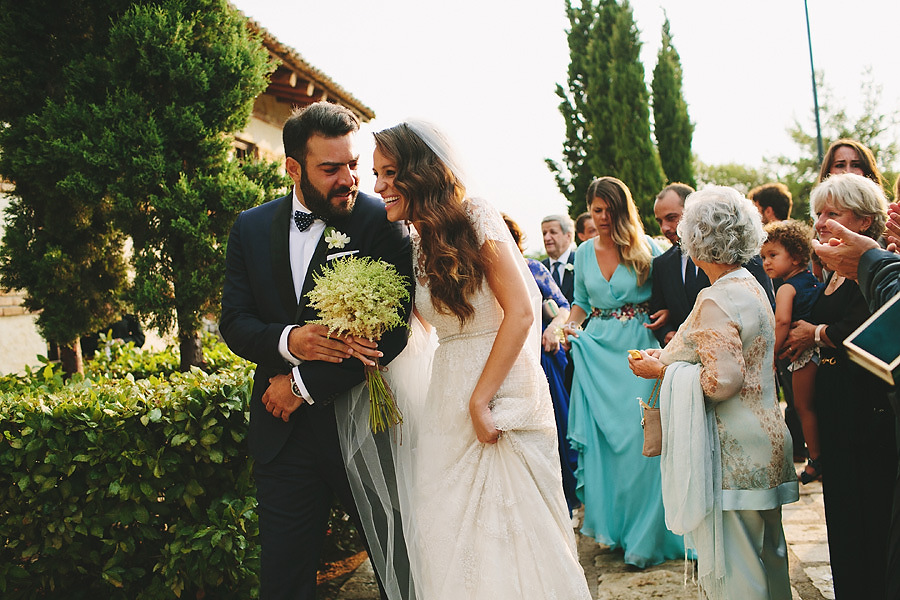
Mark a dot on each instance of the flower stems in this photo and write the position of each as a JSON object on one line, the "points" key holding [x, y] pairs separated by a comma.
{"points": [[383, 412]]}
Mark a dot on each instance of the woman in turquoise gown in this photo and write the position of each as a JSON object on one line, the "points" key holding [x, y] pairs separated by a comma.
{"points": [[619, 487]]}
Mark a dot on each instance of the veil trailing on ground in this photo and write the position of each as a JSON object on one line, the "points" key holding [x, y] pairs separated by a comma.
{"points": [[382, 467]]}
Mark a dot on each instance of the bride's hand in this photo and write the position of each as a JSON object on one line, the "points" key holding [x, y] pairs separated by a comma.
{"points": [[360, 348], [483, 422]]}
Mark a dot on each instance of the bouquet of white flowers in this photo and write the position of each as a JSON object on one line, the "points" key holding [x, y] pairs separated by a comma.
{"points": [[362, 297]]}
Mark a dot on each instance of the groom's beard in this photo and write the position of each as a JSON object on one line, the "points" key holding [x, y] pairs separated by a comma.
{"points": [[318, 203]]}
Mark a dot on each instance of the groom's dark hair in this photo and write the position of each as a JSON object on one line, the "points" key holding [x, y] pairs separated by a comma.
{"points": [[321, 118]]}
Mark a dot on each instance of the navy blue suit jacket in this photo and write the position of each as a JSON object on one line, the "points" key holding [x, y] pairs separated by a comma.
{"points": [[669, 291], [568, 277], [258, 302]]}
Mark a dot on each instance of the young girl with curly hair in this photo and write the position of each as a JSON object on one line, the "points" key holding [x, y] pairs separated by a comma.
{"points": [[786, 254]]}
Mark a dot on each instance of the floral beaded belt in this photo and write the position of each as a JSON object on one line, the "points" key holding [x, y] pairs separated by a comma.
{"points": [[623, 313]]}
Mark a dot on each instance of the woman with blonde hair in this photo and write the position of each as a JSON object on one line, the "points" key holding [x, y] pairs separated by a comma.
{"points": [[619, 487]]}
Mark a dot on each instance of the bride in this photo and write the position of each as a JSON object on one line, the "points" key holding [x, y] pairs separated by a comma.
{"points": [[478, 486]]}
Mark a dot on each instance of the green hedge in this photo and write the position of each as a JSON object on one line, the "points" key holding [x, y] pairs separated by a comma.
{"points": [[133, 481], [124, 488]]}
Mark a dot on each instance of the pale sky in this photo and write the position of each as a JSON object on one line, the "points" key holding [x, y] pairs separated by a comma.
{"points": [[485, 72]]}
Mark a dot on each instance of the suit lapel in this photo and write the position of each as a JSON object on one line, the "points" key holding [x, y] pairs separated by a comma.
{"points": [[281, 252]]}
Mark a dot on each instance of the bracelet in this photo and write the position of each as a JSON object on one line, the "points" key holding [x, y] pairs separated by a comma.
{"points": [[818, 335], [573, 325]]}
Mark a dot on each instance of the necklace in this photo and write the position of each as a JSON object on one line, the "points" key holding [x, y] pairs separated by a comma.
{"points": [[731, 270], [835, 283]]}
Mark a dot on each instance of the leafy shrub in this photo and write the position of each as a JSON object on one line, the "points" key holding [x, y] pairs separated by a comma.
{"points": [[128, 489], [132, 481]]}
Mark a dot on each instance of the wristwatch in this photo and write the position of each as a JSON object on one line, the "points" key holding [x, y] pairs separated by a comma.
{"points": [[295, 389]]}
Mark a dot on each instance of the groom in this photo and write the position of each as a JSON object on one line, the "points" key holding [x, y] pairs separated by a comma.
{"points": [[273, 251]]}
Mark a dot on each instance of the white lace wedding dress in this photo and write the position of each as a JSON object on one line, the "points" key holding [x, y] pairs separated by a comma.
{"points": [[480, 521], [489, 520]]}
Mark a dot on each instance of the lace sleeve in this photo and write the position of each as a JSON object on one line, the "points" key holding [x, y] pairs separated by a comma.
{"points": [[488, 221], [717, 338], [545, 283]]}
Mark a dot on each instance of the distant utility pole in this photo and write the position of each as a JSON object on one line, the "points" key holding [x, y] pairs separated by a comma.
{"points": [[815, 93]]}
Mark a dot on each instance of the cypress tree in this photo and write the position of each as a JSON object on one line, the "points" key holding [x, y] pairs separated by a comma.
{"points": [[606, 107], [672, 125], [574, 175], [636, 160]]}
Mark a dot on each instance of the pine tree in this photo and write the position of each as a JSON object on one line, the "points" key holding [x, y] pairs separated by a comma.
{"points": [[672, 125], [184, 79]]}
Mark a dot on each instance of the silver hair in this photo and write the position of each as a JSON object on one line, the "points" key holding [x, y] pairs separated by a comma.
{"points": [[565, 222], [849, 191], [720, 226]]}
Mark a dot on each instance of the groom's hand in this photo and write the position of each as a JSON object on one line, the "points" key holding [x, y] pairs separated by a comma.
{"points": [[279, 399], [312, 342]]}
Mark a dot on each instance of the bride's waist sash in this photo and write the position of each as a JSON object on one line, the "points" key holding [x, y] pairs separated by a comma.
{"points": [[466, 335]]}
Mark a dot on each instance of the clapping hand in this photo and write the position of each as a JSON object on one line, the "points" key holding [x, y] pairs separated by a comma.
{"points": [[843, 251], [893, 227]]}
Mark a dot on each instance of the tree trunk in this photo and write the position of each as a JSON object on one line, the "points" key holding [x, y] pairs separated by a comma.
{"points": [[71, 359], [191, 351]]}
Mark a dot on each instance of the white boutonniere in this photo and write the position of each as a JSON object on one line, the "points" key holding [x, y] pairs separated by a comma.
{"points": [[569, 267], [335, 238]]}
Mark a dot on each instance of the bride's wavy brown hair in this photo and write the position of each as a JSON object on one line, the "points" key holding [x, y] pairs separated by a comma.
{"points": [[453, 261]]}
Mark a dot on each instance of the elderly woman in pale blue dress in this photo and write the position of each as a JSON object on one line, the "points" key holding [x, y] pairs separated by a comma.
{"points": [[727, 454], [619, 487]]}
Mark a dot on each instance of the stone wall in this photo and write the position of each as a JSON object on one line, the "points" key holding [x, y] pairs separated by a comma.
{"points": [[20, 342]]}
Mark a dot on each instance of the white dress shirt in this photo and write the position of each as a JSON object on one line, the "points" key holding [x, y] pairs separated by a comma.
{"points": [[562, 260], [302, 246]]}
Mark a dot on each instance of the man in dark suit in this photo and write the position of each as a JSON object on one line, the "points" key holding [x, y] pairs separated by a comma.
{"points": [[273, 251], [676, 280], [559, 235]]}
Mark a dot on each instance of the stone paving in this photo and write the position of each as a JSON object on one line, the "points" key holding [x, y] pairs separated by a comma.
{"points": [[611, 579]]}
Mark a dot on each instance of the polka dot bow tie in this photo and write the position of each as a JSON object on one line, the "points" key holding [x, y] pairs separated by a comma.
{"points": [[304, 219]]}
